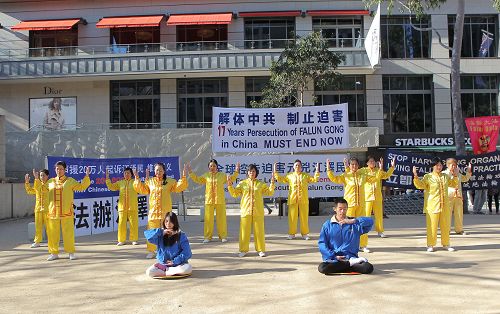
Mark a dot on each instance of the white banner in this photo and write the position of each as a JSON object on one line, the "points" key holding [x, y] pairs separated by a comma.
{"points": [[372, 40], [323, 188], [294, 129]]}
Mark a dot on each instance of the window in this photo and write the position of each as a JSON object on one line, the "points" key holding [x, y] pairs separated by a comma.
{"points": [[201, 37], [268, 34], [407, 104], [195, 99], [351, 91], [479, 95], [340, 32], [135, 104], [478, 38], [253, 88], [401, 41], [135, 39], [53, 43]]}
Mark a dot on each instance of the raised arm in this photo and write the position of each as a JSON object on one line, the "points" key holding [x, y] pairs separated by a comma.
{"points": [[467, 175], [27, 186], [182, 184], [235, 192], [268, 190], [111, 186], [139, 186], [194, 177], [340, 179], [154, 235], [314, 178], [419, 183], [387, 174], [277, 177], [81, 186]]}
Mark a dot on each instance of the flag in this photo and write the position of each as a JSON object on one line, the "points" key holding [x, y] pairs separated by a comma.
{"points": [[486, 42], [372, 40], [483, 132]]}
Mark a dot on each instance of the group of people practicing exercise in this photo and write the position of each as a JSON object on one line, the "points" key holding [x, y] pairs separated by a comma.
{"points": [[340, 239]]}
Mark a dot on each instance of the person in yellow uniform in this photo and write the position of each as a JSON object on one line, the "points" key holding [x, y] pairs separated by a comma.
{"points": [[373, 191], [214, 199], [40, 190], [437, 202], [455, 195], [354, 182], [298, 198], [252, 192], [160, 202], [61, 195], [127, 207]]}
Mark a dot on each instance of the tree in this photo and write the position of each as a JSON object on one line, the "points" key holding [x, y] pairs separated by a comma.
{"points": [[307, 61], [419, 7]]}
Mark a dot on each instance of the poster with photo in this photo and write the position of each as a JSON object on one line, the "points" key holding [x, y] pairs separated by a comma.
{"points": [[54, 113]]}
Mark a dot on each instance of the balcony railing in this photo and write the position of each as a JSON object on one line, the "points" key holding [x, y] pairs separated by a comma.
{"points": [[152, 58], [152, 125], [170, 47]]}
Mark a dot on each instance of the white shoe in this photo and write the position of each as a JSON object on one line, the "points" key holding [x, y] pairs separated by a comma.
{"points": [[52, 257], [306, 237], [242, 254], [357, 260], [223, 240], [382, 235], [120, 243], [290, 237], [430, 249], [135, 243], [205, 241], [33, 245], [262, 254], [449, 248], [150, 255], [365, 249], [72, 256]]}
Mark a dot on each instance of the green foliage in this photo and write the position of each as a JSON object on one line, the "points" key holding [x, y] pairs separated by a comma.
{"points": [[308, 61]]}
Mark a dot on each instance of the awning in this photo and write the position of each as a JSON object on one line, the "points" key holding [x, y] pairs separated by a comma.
{"points": [[130, 21], [271, 13], [46, 25], [337, 12], [200, 19]]}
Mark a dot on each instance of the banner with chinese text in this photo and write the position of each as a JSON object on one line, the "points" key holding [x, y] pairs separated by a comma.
{"points": [[483, 133], [294, 129]]}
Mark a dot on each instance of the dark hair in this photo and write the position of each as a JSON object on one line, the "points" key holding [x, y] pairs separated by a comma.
{"points": [[61, 163], [169, 240], [51, 103], [354, 159], [340, 201], [298, 160], [45, 171], [212, 161], [128, 169], [164, 171], [254, 167], [370, 157], [435, 161]]}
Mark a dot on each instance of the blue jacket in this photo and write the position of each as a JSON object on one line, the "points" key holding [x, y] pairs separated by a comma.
{"points": [[342, 240], [179, 253]]}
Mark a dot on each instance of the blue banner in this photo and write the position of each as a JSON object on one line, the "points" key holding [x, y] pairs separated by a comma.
{"points": [[115, 166], [485, 169]]}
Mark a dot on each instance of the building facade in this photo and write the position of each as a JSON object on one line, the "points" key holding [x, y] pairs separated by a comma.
{"points": [[164, 64]]}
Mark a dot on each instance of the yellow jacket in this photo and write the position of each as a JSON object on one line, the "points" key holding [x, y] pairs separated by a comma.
{"points": [[128, 196], [252, 196], [457, 192], [435, 188], [61, 195], [298, 185], [41, 192], [354, 185], [373, 190], [214, 186], [160, 201]]}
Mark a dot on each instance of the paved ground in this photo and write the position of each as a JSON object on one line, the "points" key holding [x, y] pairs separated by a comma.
{"points": [[107, 278]]}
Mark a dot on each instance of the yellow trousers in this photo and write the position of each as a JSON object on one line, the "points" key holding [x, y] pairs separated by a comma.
{"points": [[303, 214], [357, 211], [457, 210], [68, 233], [443, 220], [41, 221], [375, 207], [153, 224], [258, 233], [133, 219], [208, 228]]}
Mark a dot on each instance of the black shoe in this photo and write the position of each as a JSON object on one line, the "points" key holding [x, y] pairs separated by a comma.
{"points": [[385, 216]]}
